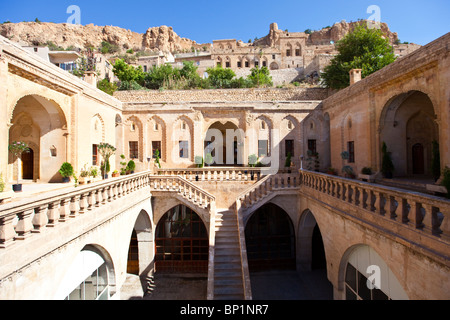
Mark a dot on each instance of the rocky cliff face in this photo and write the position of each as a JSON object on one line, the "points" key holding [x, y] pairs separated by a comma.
{"points": [[161, 38]]}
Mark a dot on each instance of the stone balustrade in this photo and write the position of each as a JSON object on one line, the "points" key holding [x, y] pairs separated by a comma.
{"points": [[19, 220], [215, 173], [270, 183], [417, 217], [183, 187]]}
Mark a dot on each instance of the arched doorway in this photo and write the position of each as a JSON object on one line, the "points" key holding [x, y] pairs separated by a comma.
{"points": [[408, 127], [225, 143], [182, 243], [311, 251], [42, 124], [270, 240]]}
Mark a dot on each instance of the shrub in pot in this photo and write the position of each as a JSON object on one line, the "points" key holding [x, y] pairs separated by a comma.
{"points": [[66, 171]]}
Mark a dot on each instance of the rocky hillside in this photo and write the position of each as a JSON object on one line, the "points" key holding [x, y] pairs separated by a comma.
{"points": [[65, 35]]}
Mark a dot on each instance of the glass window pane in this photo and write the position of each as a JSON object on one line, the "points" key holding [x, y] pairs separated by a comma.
{"points": [[349, 294], [350, 276], [363, 290]]}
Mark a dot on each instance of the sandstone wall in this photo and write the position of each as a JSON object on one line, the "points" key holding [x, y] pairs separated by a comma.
{"points": [[223, 95]]}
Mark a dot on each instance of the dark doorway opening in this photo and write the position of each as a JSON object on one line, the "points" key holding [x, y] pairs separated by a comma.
{"points": [[318, 253], [418, 159], [27, 164], [133, 255], [270, 240]]}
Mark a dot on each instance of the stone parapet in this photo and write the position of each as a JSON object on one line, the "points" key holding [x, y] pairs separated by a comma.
{"points": [[222, 95]]}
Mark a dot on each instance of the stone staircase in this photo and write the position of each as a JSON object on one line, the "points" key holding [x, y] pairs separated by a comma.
{"points": [[228, 279]]}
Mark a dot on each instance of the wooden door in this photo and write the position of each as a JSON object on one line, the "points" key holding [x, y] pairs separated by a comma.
{"points": [[418, 159], [27, 165]]}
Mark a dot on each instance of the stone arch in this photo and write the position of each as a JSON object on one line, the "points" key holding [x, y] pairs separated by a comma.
{"points": [[408, 119], [163, 135], [274, 66], [141, 250], [134, 132], [180, 133], [97, 129], [92, 257], [270, 238], [42, 123], [176, 231], [309, 253], [225, 154], [369, 263], [58, 103]]}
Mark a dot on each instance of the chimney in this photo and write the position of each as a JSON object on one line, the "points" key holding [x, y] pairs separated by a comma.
{"points": [[355, 76], [91, 78]]}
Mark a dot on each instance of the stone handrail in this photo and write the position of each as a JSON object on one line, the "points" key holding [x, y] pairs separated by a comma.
{"points": [[20, 219], [393, 209], [183, 187], [277, 182], [214, 173]]}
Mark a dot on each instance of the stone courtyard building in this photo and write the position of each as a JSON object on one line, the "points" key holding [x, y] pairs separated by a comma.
{"points": [[229, 219]]}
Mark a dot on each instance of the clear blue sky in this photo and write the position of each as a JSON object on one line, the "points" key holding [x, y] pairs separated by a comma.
{"points": [[415, 21]]}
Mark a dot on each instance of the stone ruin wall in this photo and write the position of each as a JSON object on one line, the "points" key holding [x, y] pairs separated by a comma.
{"points": [[223, 95]]}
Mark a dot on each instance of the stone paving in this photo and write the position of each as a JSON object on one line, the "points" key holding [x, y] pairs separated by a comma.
{"points": [[271, 285]]}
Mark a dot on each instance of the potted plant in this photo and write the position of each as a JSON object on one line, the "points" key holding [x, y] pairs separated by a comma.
{"points": [[252, 160], [348, 171], [209, 159], [387, 167], [367, 174], [106, 150], [131, 166], [84, 176], [115, 174], [332, 171], [17, 148], [157, 159], [287, 163], [93, 173], [66, 171], [123, 163], [198, 161]]}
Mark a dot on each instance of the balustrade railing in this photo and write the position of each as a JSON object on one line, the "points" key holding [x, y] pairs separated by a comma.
{"points": [[20, 219], [415, 210], [215, 173], [182, 187], [268, 184]]}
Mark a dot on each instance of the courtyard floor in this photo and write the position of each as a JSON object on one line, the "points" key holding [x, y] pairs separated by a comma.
{"points": [[270, 285]]}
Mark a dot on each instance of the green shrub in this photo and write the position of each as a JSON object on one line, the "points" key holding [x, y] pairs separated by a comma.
{"points": [[366, 170], [66, 170], [131, 166], [2, 183]]}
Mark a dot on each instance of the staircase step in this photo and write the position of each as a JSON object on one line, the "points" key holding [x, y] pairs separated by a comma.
{"points": [[228, 282], [228, 291]]}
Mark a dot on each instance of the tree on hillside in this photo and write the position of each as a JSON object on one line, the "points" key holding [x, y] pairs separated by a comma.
{"points": [[126, 73], [219, 77], [260, 77], [365, 49]]}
